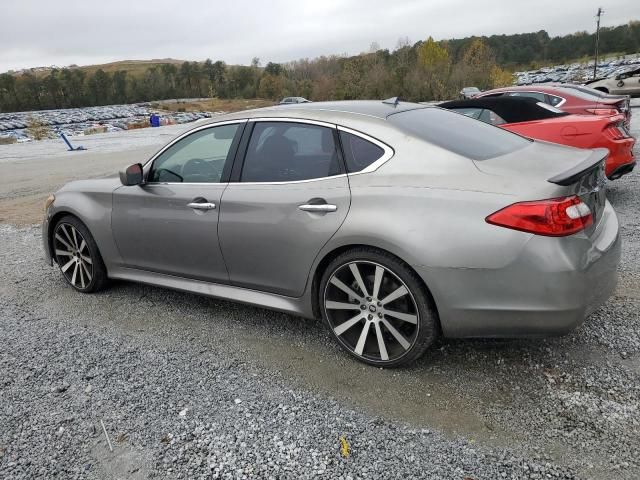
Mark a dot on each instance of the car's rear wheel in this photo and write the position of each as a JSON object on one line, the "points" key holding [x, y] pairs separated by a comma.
{"points": [[377, 308], [77, 255]]}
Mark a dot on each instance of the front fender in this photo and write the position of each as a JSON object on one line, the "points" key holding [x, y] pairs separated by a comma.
{"points": [[93, 207]]}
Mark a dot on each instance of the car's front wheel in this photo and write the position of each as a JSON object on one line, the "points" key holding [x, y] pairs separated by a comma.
{"points": [[377, 308], [77, 255]]}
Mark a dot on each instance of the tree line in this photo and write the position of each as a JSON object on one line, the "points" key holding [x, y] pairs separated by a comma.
{"points": [[426, 70], [531, 50]]}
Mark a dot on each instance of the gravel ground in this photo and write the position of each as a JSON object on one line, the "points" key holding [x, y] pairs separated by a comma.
{"points": [[192, 387]]}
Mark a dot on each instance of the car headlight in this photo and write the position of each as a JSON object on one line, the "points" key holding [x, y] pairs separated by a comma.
{"points": [[48, 202]]}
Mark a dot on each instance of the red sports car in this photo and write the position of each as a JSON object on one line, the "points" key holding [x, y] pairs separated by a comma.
{"points": [[534, 119], [569, 98]]}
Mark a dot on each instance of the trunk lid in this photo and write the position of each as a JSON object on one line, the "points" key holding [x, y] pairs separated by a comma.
{"points": [[574, 171]]}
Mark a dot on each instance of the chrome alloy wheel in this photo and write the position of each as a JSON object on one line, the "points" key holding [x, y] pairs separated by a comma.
{"points": [[371, 311], [73, 256]]}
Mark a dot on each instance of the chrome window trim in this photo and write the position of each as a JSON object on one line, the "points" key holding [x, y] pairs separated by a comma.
{"points": [[318, 123], [293, 120], [388, 151], [147, 165], [153, 184], [386, 156], [292, 182]]}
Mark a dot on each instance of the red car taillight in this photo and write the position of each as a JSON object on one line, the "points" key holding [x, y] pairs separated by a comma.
{"points": [[555, 217], [603, 111], [617, 130]]}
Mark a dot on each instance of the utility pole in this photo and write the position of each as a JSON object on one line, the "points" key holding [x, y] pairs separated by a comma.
{"points": [[598, 15]]}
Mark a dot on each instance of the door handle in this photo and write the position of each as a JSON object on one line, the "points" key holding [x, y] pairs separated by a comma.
{"points": [[201, 206], [319, 207]]}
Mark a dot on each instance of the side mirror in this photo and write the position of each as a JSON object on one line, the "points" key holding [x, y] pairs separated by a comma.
{"points": [[132, 175]]}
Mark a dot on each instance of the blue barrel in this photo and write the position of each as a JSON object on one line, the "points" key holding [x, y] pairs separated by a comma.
{"points": [[154, 120]]}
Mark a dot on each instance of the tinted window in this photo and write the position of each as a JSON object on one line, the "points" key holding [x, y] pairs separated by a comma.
{"points": [[458, 134], [482, 114], [358, 152], [469, 112], [287, 152], [541, 97], [199, 157], [553, 100], [491, 117]]}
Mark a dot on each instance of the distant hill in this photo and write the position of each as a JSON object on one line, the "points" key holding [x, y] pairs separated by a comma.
{"points": [[130, 66]]}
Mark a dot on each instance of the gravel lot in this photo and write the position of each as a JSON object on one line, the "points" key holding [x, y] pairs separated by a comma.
{"points": [[191, 387]]}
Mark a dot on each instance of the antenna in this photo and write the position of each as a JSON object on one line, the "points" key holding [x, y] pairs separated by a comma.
{"points": [[392, 101], [598, 15]]}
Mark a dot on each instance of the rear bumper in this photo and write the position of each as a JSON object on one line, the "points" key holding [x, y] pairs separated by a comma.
{"points": [[620, 160], [549, 290], [622, 170]]}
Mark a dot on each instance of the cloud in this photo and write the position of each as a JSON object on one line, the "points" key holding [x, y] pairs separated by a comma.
{"points": [[41, 32]]}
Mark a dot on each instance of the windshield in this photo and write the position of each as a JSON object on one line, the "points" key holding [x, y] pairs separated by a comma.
{"points": [[458, 133]]}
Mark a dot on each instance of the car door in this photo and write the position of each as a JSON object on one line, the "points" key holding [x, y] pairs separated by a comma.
{"points": [[629, 84], [169, 224], [290, 195]]}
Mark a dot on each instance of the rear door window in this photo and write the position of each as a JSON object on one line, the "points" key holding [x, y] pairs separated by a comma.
{"points": [[359, 153], [290, 151]]}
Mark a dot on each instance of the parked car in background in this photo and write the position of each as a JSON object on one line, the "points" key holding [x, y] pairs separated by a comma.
{"points": [[292, 100], [394, 222], [469, 92], [625, 83], [534, 119], [570, 98]]}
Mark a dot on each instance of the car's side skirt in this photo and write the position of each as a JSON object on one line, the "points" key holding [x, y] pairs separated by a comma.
{"points": [[295, 306]]}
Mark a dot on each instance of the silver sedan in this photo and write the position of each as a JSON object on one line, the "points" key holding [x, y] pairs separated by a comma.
{"points": [[393, 222]]}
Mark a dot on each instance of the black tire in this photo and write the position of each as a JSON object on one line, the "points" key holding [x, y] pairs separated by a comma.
{"points": [[602, 89], [84, 258], [345, 307]]}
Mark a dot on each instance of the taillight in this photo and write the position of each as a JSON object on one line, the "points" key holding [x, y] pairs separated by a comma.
{"points": [[617, 130], [603, 111], [555, 217]]}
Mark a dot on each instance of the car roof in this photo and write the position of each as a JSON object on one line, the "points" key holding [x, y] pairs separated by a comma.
{"points": [[511, 109], [533, 87], [371, 108], [318, 110]]}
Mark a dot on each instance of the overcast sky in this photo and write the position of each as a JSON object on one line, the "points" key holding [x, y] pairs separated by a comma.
{"points": [[62, 32]]}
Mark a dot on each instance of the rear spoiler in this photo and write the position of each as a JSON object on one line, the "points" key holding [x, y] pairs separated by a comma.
{"points": [[592, 162]]}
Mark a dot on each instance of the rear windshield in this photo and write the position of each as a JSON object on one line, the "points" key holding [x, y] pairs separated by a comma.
{"points": [[583, 93], [587, 90], [457, 133]]}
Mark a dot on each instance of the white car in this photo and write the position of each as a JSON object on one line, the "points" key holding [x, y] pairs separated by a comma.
{"points": [[626, 83]]}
